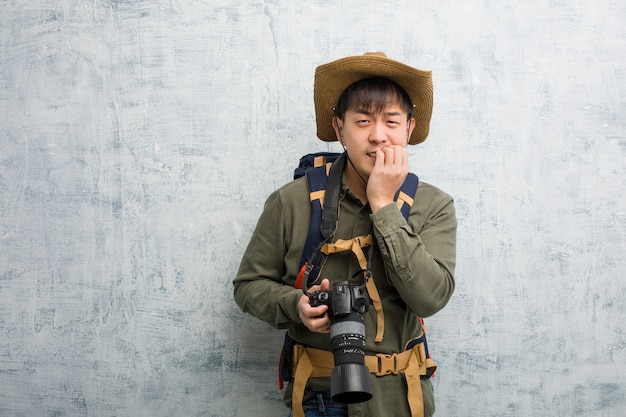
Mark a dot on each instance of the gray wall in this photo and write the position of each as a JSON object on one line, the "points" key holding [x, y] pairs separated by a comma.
{"points": [[139, 140]]}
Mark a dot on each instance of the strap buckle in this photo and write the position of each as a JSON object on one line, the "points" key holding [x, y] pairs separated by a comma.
{"points": [[386, 364]]}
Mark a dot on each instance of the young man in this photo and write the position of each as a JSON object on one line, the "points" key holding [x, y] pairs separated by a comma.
{"points": [[374, 107]]}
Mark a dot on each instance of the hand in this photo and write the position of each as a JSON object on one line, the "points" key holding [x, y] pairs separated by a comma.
{"points": [[314, 318], [389, 172]]}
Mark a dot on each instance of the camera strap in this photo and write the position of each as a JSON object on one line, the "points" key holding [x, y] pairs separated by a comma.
{"points": [[330, 214], [330, 219]]}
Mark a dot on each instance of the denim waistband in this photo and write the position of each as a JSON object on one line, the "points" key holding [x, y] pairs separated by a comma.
{"points": [[325, 406]]}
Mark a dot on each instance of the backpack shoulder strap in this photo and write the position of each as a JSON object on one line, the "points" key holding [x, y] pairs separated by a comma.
{"points": [[314, 160], [316, 168], [404, 197]]}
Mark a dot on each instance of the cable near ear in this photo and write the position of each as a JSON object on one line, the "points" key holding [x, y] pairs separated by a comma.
{"points": [[337, 127]]}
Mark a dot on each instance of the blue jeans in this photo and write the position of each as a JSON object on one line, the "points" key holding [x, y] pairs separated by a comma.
{"points": [[323, 405]]}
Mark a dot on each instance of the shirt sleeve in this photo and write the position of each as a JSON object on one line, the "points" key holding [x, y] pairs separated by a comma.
{"points": [[420, 254], [259, 287]]}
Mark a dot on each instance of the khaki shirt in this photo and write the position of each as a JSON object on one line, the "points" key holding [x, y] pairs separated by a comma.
{"points": [[412, 266]]}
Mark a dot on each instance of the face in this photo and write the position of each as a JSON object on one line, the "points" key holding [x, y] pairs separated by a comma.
{"points": [[363, 133]]}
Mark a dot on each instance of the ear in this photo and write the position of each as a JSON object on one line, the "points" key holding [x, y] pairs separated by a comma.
{"points": [[411, 126], [337, 126]]}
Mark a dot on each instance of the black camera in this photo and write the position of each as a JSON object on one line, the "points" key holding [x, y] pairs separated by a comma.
{"points": [[350, 381]]}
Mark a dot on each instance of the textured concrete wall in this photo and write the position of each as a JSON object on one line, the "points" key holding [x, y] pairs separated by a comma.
{"points": [[139, 140]]}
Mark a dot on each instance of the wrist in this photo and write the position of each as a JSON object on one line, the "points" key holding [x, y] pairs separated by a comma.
{"points": [[376, 205]]}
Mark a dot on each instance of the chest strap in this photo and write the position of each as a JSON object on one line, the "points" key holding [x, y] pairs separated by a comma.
{"points": [[315, 363], [356, 245]]}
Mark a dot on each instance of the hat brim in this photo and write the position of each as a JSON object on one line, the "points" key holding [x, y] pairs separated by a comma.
{"points": [[333, 78]]}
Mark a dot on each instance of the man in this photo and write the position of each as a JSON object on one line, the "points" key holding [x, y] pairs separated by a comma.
{"points": [[374, 107]]}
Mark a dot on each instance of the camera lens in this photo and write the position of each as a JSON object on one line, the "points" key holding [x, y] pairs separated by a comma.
{"points": [[347, 339], [350, 377], [350, 383]]}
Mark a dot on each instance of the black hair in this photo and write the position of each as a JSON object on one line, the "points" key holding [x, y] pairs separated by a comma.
{"points": [[374, 94]]}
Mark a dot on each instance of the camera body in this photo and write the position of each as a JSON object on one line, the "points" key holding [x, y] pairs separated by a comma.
{"points": [[346, 305], [342, 300]]}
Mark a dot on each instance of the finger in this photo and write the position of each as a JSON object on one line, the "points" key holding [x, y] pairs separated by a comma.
{"points": [[400, 154], [318, 311], [321, 325], [309, 311], [394, 154], [397, 156], [390, 156], [322, 286], [308, 314]]}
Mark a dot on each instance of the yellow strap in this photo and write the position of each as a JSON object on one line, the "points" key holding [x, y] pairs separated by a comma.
{"points": [[404, 198], [328, 165], [356, 245], [414, 386], [309, 362], [378, 306], [412, 363], [318, 195], [318, 161], [300, 378]]}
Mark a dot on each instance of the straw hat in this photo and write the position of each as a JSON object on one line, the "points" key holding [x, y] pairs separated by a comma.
{"points": [[332, 78]]}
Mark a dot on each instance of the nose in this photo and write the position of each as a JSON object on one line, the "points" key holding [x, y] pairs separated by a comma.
{"points": [[378, 133]]}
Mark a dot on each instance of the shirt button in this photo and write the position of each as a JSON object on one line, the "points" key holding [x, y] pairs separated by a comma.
{"points": [[380, 223]]}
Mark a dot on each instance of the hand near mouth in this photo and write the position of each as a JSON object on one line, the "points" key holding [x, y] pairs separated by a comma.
{"points": [[390, 169]]}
